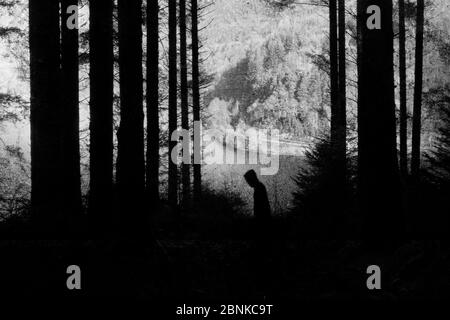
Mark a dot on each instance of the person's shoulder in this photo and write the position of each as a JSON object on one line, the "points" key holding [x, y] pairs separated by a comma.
{"points": [[261, 186]]}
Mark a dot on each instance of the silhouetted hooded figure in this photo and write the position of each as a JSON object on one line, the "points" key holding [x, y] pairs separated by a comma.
{"points": [[261, 206], [261, 253]]}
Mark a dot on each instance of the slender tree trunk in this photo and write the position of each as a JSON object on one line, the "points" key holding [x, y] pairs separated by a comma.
{"points": [[334, 80], [101, 112], [45, 121], [152, 165], [403, 99], [130, 161], [196, 103], [70, 145], [342, 123], [418, 80], [338, 92], [186, 172], [378, 174], [173, 172], [338, 170]]}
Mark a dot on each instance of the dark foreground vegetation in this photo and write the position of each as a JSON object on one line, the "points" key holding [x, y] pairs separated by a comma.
{"points": [[219, 270], [214, 257]]}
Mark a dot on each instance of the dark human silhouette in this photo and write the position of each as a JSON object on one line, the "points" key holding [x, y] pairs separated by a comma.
{"points": [[262, 257], [261, 207]]}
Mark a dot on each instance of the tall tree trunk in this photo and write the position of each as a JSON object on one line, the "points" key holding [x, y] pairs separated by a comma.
{"points": [[418, 80], [70, 145], [152, 165], [334, 80], [378, 174], [186, 172], [339, 118], [338, 162], [196, 102], [130, 161], [101, 112], [45, 121], [173, 172], [342, 123], [403, 99]]}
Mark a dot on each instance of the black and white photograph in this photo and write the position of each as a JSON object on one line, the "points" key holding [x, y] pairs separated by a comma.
{"points": [[225, 157]]}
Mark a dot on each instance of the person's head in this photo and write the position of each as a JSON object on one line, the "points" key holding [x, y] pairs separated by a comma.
{"points": [[251, 178]]}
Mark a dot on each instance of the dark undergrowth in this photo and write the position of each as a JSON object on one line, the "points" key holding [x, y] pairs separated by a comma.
{"points": [[224, 269], [209, 253]]}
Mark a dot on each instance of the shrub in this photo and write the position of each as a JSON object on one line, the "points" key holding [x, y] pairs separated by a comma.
{"points": [[316, 204]]}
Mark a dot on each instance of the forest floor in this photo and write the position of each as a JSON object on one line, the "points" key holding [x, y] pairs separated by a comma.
{"points": [[224, 270]]}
